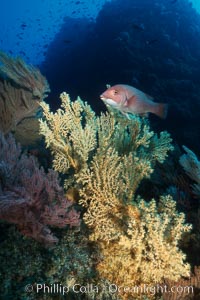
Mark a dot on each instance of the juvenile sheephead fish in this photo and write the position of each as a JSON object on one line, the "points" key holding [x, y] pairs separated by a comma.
{"points": [[128, 99]]}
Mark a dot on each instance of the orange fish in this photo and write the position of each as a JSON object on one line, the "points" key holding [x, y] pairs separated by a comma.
{"points": [[128, 99]]}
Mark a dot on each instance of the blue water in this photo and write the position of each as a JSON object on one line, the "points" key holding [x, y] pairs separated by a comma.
{"points": [[196, 4], [28, 27], [43, 19], [80, 46]]}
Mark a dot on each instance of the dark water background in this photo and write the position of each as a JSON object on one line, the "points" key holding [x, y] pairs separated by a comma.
{"points": [[81, 46]]}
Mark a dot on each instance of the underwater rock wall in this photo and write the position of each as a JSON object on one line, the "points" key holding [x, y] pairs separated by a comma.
{"points": [[152, 45]]}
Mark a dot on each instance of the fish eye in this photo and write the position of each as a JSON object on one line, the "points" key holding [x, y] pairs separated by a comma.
{"points": [[115, 92]]}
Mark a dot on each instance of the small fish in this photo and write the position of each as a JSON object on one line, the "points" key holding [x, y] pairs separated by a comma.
{"points": [[139, 27], [151, 42], [23, 25], [128, 99], [22, 52]]}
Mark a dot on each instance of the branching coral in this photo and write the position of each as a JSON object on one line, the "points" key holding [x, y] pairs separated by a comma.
{"points": [[25, 76], [138, 240], [75, 135], [24, 261], [184, 289], [108, 185], [148, 251], [29, 197], [22, 87], [70, 133]]}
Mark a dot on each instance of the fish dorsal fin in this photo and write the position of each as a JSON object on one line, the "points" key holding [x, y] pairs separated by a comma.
{"points": [[149, 97]]}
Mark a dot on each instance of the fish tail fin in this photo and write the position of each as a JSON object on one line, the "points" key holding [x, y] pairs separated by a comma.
{"points": [[161, 110]]}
